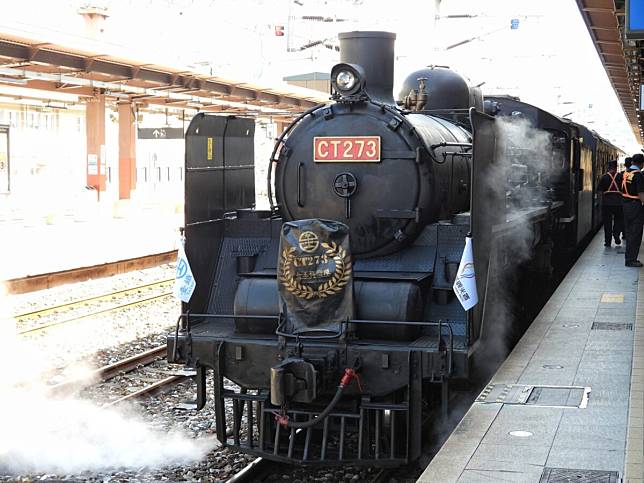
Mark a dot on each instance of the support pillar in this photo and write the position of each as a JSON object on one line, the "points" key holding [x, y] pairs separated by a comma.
{"points": [[95, 134], [281, 126], [127, 150]]}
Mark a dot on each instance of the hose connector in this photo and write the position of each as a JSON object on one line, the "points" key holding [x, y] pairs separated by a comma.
{"points": [[349, 375], [283, 420]]}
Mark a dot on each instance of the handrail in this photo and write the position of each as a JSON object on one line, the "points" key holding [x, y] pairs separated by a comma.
{"points": [[336, 335]]}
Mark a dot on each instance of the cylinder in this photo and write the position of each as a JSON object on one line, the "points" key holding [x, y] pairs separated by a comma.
{"points": [[256, 296], [375, 300], [374, 52]]}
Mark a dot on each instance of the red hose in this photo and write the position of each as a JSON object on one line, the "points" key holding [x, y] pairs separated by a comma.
{"points": [[349, 374]]}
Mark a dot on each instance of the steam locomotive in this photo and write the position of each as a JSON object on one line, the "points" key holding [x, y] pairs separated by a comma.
{"points": [[329, 321]]}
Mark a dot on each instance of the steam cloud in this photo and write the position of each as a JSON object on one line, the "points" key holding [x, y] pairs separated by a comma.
{"points": [[519, 146], [67, 436], [70, 436]]}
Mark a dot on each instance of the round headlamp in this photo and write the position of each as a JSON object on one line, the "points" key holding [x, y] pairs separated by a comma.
{"points": [[345, 80]]}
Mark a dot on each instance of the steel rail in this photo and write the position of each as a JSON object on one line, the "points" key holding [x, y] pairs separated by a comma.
{"points": [[109, 371], [100, 312], [148, 390], [81, 302], [253, 471]]}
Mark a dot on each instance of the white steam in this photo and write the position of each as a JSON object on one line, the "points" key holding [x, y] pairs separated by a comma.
{"points": [[66, 436], [527, 162], [71, 436], [518, 132], [523, 149]]}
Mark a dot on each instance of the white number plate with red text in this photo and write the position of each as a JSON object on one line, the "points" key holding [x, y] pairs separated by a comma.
{"points": [[346, 149]]}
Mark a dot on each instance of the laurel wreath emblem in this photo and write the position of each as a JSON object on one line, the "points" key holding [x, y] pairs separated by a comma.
{"points": [[338, 280]]}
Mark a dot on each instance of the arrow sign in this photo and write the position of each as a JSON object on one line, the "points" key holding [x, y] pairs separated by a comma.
{"points": [[160, 133]]}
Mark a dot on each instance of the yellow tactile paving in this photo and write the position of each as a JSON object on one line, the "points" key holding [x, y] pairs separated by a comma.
{"points": [[612, 298]]}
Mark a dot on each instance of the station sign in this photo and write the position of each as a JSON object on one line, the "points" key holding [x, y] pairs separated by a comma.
{"points": [[634, 21], [5, 175], [160, 133]]}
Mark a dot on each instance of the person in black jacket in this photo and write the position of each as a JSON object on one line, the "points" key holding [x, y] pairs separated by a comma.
{"points": [[627, 164], [612, 211], [633, 197]]}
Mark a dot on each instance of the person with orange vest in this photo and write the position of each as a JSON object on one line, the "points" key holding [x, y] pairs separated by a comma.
{"points": [[612, 212], [627, 164], [633, 198]]}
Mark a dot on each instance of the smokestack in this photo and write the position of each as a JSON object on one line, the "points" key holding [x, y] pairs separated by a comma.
{"points": [[374, 52]]}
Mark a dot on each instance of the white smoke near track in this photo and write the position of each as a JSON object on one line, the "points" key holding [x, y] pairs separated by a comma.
{"points": [[71, 436], [40, 433], [521, 150], [522, 145]]}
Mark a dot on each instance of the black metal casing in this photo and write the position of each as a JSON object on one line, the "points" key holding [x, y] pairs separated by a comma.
{"points": [[408, 214], [446, 90], [418, 190]]}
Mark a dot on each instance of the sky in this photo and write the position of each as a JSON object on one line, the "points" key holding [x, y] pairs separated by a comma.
{"points": [[549, 60]]}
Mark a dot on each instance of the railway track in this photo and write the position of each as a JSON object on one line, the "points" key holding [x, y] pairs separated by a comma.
{"points": [[149, 390], [109, 371], [106, 303], [71, 312], [256, 470], [260, 469], [83, 302], [124, 366]]}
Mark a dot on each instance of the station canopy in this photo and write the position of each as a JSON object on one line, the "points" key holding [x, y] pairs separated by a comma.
{"points": [[39, 64], [622, 57]]}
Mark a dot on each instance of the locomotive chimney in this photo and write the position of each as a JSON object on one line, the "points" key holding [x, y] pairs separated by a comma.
{"points": [[374, 52]]}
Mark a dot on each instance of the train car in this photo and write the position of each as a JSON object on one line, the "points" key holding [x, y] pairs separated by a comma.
{"points": [[330, 322], [580, 158], [603, 151]]}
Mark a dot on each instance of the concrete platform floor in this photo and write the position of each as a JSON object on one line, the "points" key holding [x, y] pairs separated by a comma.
{"points": [[33, 247], [500, 441]]}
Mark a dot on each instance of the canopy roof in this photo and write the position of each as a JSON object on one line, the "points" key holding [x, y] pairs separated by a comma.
{"points": [[86, 70], [621, 58]]}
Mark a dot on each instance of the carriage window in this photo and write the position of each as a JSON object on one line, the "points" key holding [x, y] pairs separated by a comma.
{"points": [[586, 164]]}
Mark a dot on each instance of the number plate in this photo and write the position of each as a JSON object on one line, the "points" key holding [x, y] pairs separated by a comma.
{"points": [[346, 149]]}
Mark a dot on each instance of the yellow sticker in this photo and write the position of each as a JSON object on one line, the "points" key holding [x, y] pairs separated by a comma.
{"points": [[209, 149], [613, 298]]}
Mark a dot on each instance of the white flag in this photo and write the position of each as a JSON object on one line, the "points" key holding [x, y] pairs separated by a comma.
{"points": [[465, 283], [184, 282]]}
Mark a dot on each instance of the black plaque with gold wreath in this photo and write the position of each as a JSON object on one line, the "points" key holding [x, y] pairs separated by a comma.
{"points": [[315, 276]]}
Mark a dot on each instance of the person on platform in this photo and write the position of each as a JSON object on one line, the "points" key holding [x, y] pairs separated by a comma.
{"points": [[612, 211], [627, 164], [633, 198]]}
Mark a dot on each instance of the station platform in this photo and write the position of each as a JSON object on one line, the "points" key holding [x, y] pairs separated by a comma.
{"points": [[36, 245], [567, 404]]}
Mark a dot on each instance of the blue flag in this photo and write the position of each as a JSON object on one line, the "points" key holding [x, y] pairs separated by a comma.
{"points": [[465, 283], [184, 282]]}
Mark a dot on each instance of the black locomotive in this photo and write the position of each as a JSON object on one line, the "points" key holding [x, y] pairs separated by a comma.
{"points": [[329, 321]]}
